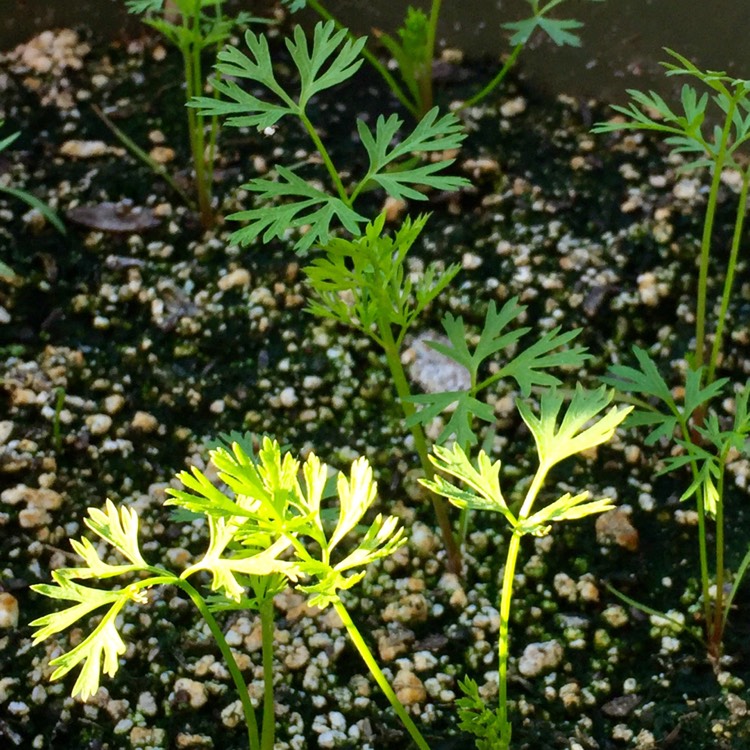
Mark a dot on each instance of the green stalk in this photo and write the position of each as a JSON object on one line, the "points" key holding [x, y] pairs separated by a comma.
{"points": [[191, 55], [213, 132], [393, 357], [269, 717], [424, 81], [729, 280], [377, 673], [702, 547], [716, 636], [226, 652], [385, 74], [708, 224], [505, 602], [323, 151], [703, 555], [56, 432], [497, 80], [503, 636], [138, 152]]}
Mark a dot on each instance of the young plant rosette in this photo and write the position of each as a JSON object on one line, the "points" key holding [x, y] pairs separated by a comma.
{"points": [[274, 525]]}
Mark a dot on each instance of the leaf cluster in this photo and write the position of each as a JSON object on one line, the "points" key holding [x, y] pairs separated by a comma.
{"points": [[268, 528], [705, 445], [196, 29], [365, 282], [289, 201], [527, 365], [118, 528], [558, 436], [489, 728], [685, 128], [562, 31], [411, 50], [657, 407]]}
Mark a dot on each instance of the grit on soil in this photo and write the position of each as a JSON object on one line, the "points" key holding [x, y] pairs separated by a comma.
{"points": [[124, 352]]}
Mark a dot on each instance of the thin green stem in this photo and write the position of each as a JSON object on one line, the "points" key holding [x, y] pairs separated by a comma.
{"points": [[677, 624], [533, 491], [377, 673], [194, 80], [687, 434], [213, 133], [506, 598], [738, 576], [56, 421], [393, 357], [269, 718], [708, 224], [716, 634], [497, 80], [424, 80], [391, 82], [229, 660], [323, 151], [138, 152], [703, 556], [729, 280]]}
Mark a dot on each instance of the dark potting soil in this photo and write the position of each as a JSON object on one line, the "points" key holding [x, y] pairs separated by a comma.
{"points": [[156, 342]]}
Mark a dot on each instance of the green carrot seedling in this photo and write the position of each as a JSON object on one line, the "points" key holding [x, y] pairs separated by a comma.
{"points": [[290, 201], [364, 283], [266, 530], [580, 427], [704, 446], [720, 149], [414, 47], [197, 26]]}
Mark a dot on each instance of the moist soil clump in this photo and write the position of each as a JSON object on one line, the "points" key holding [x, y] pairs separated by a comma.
{"points": [[131, 343]]}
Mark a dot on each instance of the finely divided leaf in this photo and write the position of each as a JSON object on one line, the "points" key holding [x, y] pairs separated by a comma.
{"points": [[464, 408], [311, 208], [579, 429], [328, 63], [120, 529], [492, 339], [356, 495], [431, 134], [567, 508], [528, 367], [103, 641], [560, 31], [483, 481]]}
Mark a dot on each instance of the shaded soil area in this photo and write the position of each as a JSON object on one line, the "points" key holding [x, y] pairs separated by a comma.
{"points": [[124, 354]]}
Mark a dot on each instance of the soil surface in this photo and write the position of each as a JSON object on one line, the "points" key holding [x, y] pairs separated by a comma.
{"points": [[129, 345]]}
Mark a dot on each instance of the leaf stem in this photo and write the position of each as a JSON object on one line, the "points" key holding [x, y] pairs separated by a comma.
{"points": [[138, 152], [505, 603], [378, 675], [716, 634], [703, 556], [729, 280], [191, 53], [506, 598], [708, 223], [269, 718], [323, 151], [229, 660], [424, 80], [403, 391], [497, 80]]}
